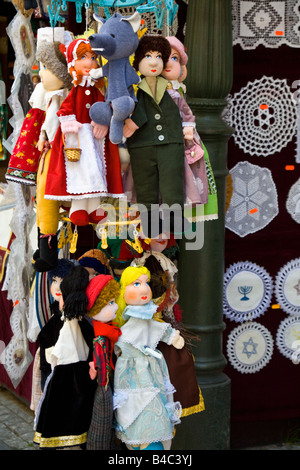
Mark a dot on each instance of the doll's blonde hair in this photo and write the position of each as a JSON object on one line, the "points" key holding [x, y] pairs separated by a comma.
{"points": [[129, 275]]}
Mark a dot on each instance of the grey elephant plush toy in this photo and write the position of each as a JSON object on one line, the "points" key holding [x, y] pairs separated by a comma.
{"points": [[116, 41]]}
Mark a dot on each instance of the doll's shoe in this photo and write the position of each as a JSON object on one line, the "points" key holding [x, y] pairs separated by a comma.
{"points": [[96, 216], [79, 218], [48, 254]]}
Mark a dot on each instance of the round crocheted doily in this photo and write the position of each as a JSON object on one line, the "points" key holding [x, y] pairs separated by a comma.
{"points": [[247, 291], [249, 347], [287, 287], [264, 116], [288, 337]]}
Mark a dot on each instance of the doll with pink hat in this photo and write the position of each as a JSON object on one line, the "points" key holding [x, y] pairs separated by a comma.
{"points": [[102, 293], [200, 187], [97, 172]]}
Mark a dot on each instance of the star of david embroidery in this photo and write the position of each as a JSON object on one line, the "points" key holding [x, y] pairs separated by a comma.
{"points": [[297, 287], [249, 347]]}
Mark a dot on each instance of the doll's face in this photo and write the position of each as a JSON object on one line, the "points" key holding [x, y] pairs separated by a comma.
{"points": [[152, 64], [86, 63], [92, 272], [107, 313], [55, 288], [172, 70], [138, 292], [49, 80]]}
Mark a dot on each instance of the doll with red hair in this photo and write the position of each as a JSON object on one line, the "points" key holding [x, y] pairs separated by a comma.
{"points": [[97, 173]]}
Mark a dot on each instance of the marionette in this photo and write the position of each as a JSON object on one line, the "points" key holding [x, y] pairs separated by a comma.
{"points": [[83, 167], [56, 82], [102, 293], [155, 137], [200, 187], [116, 41], [65, 410], [145, 411]]}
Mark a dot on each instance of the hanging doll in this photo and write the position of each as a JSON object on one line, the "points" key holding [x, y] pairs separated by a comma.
{"points": [[145, 411], [56, 82], [154, 135], [102, 293], [65, 410], [200, 187], [97, 172]]}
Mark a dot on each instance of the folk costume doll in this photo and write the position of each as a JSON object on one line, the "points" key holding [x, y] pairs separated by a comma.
{"points": [[102, 293], [97, 172], [65, 411], [154, 134], [180, 362], [49, 333], [145, 411], [57, 84], [200, 187]]}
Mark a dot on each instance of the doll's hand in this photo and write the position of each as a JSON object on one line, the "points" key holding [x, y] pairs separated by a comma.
{"points": [[129, 128], [188, 132], [178, 341], [40, 145], [99, 130], [92, 371], [96, 73], [70, 127]]}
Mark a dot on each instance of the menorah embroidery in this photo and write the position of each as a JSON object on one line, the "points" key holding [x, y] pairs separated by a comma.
{"points": [[244, 290]]}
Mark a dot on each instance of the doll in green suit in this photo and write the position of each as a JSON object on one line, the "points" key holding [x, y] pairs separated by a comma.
{"points": [[155, 138]]}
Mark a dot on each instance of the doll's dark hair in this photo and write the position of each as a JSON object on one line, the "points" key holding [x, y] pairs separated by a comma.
{"points": [[61, 270], [152, 43], [73, 288]]}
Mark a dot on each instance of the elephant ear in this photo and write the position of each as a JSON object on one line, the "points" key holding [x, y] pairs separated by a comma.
{"points": [[134, 20], [99, 20]]}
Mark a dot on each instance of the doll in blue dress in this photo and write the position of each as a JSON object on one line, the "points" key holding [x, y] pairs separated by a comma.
{"points": [[145, 411]]}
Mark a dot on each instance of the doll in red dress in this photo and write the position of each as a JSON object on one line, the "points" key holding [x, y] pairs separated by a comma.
{"points": [[98, 171]]}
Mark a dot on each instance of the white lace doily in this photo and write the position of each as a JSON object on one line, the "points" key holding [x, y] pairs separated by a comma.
{"points": [[287, 287], [248, 291], [293, 202], [288, 336], [264, 116], [20, 33], [249, 347], [268, 22], [254, 202], [16, 359], [298, 125]]}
